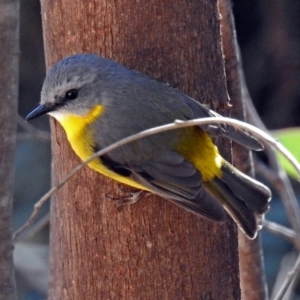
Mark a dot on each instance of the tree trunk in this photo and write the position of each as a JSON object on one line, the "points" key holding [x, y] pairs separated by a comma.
{"points": [[152, 249], [9, 65]]}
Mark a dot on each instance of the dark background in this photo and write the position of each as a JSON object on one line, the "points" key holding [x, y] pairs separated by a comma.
{"points": [[269, 37]]}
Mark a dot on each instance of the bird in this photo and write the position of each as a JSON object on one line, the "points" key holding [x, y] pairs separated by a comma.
{"points": [[99, 102]]}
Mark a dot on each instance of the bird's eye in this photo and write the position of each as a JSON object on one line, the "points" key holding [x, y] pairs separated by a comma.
{"points": [[71, 94]]}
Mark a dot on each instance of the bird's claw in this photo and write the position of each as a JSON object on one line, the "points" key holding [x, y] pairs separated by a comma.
{"points": [[129, 199]]}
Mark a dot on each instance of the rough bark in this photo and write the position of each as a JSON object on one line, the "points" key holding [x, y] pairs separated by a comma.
{"points": [[153, 249], [253, 282], [9, 63]]}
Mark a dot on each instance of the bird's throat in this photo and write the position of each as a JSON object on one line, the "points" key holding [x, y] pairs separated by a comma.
{"points": [[79, 131]]}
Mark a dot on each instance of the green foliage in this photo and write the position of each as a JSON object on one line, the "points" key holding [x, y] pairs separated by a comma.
{"points": [[290, 138]]}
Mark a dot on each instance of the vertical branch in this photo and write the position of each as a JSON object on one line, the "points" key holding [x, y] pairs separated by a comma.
{"points": [[9, 63], [152, 249], [251, 260]]}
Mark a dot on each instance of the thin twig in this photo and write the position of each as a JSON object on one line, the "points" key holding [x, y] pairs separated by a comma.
{"points": [[288, 280], [172, 126], [286, 193], [287, 262], [282, 231], [31, 231], [37, 206], [32, 131]]}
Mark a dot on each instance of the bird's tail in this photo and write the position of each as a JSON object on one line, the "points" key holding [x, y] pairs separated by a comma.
{"points": [[244, 198]]}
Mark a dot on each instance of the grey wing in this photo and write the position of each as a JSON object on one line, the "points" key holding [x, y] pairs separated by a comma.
{"points": [[242, 137], [176, 179]]}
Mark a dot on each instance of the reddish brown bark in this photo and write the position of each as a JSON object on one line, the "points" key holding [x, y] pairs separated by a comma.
{"points": [[153, 249]]}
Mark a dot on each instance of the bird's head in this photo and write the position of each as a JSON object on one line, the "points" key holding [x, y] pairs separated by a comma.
{"points": [[71, 87]]}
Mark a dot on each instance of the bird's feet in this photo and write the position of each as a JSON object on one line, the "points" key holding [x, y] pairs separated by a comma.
{"points": [[127, 199]]}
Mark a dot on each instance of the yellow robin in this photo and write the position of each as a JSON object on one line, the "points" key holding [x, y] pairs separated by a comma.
{"points": [[98, 102]]}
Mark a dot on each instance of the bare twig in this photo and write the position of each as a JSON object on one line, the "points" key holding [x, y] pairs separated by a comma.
{"points": [[35, 228], [172, 126], [291, 275], [37, 206], [283, 185], [32, 132], [286, 193], [282, 231], [276, 179]]}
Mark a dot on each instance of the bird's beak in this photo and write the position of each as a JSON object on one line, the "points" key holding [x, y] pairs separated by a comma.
{"points": [[38, 111]]}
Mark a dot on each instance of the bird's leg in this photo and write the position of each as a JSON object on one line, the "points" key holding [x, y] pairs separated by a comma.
{"points": [[130, 198]]}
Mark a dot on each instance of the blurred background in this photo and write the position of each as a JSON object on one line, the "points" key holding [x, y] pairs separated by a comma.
{"points": [[268, 32]]}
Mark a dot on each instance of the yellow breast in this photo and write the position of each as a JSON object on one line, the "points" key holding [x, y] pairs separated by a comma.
{"points": [[81, 137]]}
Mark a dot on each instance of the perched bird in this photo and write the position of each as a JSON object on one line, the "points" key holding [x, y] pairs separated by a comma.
{"points": [[98, 102]]}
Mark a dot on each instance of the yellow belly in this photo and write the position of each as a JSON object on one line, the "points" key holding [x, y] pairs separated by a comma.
{"points": [[197, 147]]}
